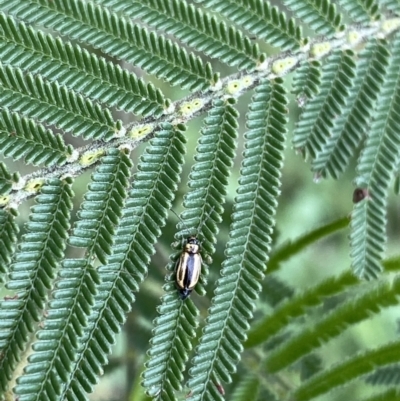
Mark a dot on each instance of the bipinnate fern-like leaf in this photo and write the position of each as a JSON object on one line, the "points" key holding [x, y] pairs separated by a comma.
{"points": [[49, 84], [60, 339], [115, 35], [313, 130], [375, 170], [347, 370], [77, 69], [260, 18], [195, 28], [8, 238], [32, 272], [175, 327], [53, 104], [208, 179], [297, 306], [381, 295], [248, 246], [102, 206], [145, 213], [24, 138], [174, 330], [67, 316], [320, 15], [350, 128]]}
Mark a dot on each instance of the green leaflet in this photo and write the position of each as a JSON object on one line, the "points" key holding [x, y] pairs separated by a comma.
{"points": [[194, 27], [349, 129], [77, 69], [175, 328], [119, 37], [102, 208], [376, 167], [32, 272], [247, 249], [144, 215], [262, 20]]}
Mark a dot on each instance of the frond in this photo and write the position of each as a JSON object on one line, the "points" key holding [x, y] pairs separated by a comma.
{"points": [[376, 167], [348, 370], [260, 18], [53, 104], [350, 127], [316, 122], [59, 342], [174, 330], [60, 74], [24, 138], [175, 327], [195, 28], [143, 216], [333, 324], [102, 206], [208, 179], [247, 249], [117, 36], [77, 69], [298, 306], [74, 298], [32, 272], [320, 15]]}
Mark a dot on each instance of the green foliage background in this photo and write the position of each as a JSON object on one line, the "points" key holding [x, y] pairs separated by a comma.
{"points": [[104, 106]]}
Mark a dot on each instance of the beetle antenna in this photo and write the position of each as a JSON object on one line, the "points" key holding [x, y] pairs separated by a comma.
{"points": [[205, 219], [201, 223], [179, 218]]}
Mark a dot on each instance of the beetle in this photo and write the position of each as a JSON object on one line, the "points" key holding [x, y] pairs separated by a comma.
{"points": [[188, 266]]}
